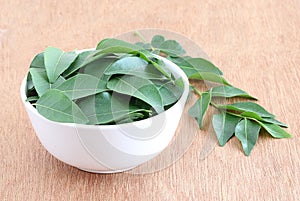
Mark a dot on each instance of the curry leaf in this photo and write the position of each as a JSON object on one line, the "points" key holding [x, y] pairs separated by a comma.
{"points": [[224, 125], [82, 85], [275, 130], [157, 40], [134, 66], [247, 132], [192, 66], [212, 77], [169, 91], [249, 107], [139, 88], [199, 109], [40, 80], [57, 61], [104, 108], [56, 106], [229, 91], [98, 67], [263, 119], [78, 63], [38, 61]]}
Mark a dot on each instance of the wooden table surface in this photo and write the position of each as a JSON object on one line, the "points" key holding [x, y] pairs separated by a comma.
{"points": [[256, 44]]}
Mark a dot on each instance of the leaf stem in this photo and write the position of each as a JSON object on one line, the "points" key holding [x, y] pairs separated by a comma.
{"points": [[137, 33], [215, 105], [196, 90]]}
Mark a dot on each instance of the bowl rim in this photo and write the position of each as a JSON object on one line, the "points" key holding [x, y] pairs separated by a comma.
{"points": [[183, 98]]}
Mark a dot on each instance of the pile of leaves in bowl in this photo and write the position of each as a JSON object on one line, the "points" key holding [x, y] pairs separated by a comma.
{"points": [[119, 82]]}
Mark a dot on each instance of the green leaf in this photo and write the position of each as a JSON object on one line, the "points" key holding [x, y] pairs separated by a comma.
{"points": [[112, 42], [170, 91], [274, 121], [38, 61], [139, 88], [263, 119], [32, 98], [111, 45], [199, 109], [56, 106], [275, 130], [146, 46], [157, 40], [134, 66], [104, 108], [192, 66], [57, 61], [229, 91], [247, 107], [224, 125], [40, 80], [78, 63], [170, 47], [212, 77], [98, 67], [247, 132], [82, 85]]}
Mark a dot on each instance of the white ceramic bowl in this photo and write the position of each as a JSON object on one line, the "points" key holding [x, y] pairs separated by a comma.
{"points": [[109, 148]]}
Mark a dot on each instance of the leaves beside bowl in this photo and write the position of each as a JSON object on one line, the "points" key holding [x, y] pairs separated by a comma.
{"points": [[132, 80]]}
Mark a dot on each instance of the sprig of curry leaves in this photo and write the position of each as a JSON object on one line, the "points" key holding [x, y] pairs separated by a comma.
{"points": [[130, 83], [243, 119]]}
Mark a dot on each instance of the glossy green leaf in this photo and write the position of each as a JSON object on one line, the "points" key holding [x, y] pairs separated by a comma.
{"points": [[263, 119], [57, 61], [139, 88], [199, 109], [275, 130], [104, 108], [170, 47], [224, 125], [229, 91], [170, 91], [78, 63], [212, 77], [247, 107], [274, 121], [56, 106], [193, 66], [247, 132], [157, 40], [98, 67], [38, 61], [110, 45], [39, 80], [112, 42], [82, 85], [146, 46], [134, 66]]}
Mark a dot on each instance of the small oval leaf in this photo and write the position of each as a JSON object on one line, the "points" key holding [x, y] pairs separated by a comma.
{"points": [[199, 109], [139, 88], [56, 106], [247, 132], [229, 92], [224, 125]]}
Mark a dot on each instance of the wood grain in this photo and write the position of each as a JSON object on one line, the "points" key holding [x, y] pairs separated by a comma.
{"points": [[257, 45]]}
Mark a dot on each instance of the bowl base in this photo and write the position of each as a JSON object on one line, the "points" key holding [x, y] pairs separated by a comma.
{"points": [[105, 171]]}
